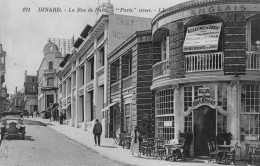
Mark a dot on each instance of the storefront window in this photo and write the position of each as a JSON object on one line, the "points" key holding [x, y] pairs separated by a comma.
{"points": [[188, 123], [127, 118], [187, 97], [250, 113], [164, 108], [222, 123], [222, 96]]}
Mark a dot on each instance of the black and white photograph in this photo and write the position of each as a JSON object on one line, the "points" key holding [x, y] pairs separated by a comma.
{"points": [[129, 82]]}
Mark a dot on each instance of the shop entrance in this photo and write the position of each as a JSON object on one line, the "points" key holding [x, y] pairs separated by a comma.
{"points": [[204, 129]]}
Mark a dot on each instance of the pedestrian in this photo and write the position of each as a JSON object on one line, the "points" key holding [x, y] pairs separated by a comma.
{"points": [[32, 114], [61, 118], [97, 130], [135, 141]]}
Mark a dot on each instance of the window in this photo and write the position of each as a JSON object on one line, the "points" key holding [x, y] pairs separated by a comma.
{"points": [[187, 97], [50, 81], [102, 56], [33, 88], [114, 72], [165, 47], [127, 65], [50, 65], [222, 123], [250, 113], [92, 68], [253, 35], [188, 123], [127, 117], [164, 108]]}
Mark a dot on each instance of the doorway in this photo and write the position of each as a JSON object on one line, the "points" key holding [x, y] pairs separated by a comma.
{"points": [[204, 129]]}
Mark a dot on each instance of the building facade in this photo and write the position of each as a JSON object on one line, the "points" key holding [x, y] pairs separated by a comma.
{"points": [[30, 93], [83, 78], [208, 81], [47, 78], [3, 90], [17, 100], [129, 80]]}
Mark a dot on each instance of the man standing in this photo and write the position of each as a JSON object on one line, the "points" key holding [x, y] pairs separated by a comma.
{"points": [[97, 130]]}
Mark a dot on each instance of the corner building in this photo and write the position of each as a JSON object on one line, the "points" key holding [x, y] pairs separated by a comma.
{"points": [[208, 81]]}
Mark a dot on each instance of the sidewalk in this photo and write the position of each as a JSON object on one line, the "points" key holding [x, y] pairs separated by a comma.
{"points": [[116, 152]]}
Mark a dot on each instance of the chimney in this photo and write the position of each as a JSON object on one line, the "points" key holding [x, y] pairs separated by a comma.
{"points": [[16, 90], [25, 74]]}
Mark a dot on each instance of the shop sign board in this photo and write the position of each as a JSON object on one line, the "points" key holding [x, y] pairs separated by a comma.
{"points": [[167, 123], [204, 91], [202, 38], [204, 100]]}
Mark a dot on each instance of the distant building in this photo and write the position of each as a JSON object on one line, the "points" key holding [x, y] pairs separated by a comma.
{"points": [[47, 80], [65, 46], [17, 100], [3, 93], [30, 93]]}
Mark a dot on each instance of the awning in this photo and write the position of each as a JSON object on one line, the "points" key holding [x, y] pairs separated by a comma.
{"points": [[107, 107]]}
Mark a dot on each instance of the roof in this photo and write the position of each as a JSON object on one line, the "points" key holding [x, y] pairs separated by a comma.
{"points": [[50, 48]]}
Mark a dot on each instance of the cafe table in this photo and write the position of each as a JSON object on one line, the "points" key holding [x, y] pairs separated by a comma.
{"points": [[171, 146], [224, 149], [254, 149]]}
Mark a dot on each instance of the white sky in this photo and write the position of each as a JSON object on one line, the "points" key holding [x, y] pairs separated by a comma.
{"points": [[24, 34]]}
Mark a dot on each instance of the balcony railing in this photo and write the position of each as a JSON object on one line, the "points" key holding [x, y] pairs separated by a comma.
{"points": [[49, 71], [127, 82], [204, 62], [115, 87], [253, 61], [161, 68]]}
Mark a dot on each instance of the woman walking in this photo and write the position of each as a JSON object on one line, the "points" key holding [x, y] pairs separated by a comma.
{"points": [[135, 141]]}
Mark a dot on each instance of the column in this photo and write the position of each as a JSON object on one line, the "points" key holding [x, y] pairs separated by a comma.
{"points": [[177, 112], [77, 97], [105, 120], [85, 96], [234, 116], [73, 110]]}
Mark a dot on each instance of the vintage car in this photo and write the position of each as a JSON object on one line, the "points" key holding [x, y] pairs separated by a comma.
{"points": [[12, 125]]}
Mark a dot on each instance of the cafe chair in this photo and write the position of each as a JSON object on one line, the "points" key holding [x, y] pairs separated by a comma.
{"points": [[232, 155], [115, 138], [149, 147], [159, 148], [248, 150], [213, 152], [255, 155]]}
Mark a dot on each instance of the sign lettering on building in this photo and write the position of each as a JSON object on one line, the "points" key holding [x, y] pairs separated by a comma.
{"points": [[204, 100], [167, 123], [202, 38], [204, 91], [205, 10]]}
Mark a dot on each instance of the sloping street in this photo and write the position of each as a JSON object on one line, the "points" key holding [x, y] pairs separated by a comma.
{"points": [[45, 146]]}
